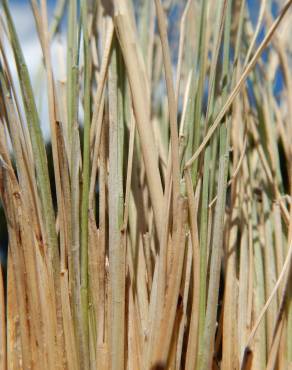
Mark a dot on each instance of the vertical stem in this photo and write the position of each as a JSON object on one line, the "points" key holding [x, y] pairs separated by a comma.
{"points": [[260, 353], [3, 327], [204, 247], [73, 142], [85, 187], [216, 253], [139, 90], [171, 99], [71, 69], [40, 157], [116, 239]]}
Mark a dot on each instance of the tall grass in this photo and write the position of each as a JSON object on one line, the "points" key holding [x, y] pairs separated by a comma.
{"points": [[162, 237]]}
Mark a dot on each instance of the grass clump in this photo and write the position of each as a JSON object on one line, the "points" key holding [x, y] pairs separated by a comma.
{"points": [[161, 236]]}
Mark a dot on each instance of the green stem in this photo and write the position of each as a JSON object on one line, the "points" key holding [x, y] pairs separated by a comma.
{"points": [[37, 143], [85, 186]]}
